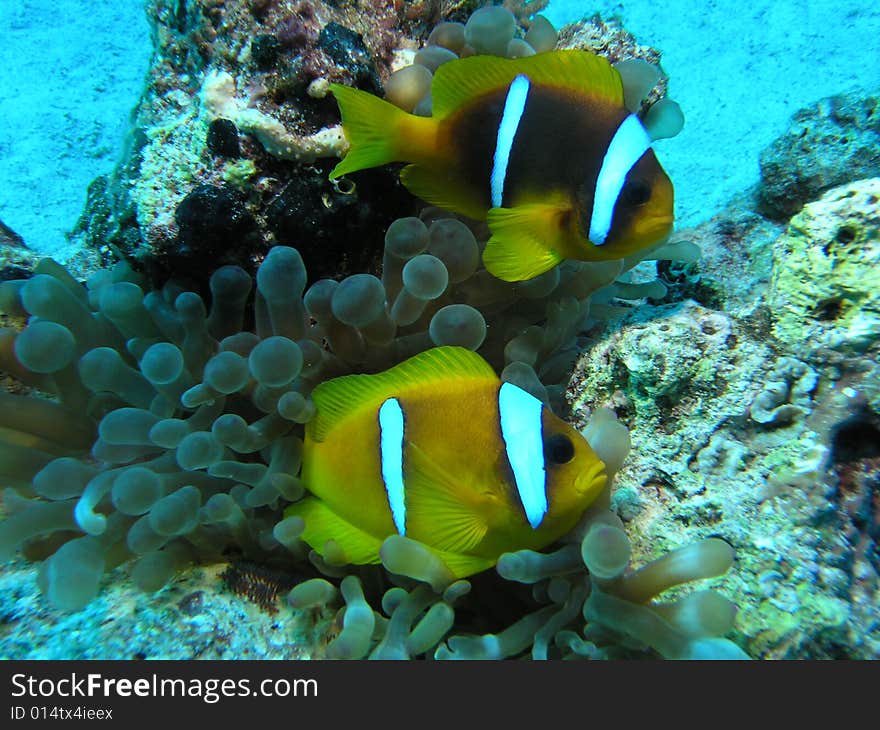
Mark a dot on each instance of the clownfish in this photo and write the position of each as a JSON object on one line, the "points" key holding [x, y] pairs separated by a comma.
{"points": [[540, 147], [439, 450]]}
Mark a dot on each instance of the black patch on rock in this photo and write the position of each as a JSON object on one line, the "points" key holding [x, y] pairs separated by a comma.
{"points": [[346, 48], [214, 225], [180, 16], [856, 438], [265, 50], [108, 223], [12, 272], [337, 234], [222, 138]]}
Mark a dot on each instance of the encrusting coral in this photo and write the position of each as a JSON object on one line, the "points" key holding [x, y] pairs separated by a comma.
{"points": [[824, 284], [174, 434]]}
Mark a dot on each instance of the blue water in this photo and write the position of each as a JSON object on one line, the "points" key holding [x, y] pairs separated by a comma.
{"points": [[70, 74], [739, 71]]}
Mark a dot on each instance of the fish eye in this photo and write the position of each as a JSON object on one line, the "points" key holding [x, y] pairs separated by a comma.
{"points": [[636, 192], [558, 449]]}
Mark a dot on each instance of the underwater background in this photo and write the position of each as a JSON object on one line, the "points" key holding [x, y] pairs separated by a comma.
{"points": [[747, 376]]}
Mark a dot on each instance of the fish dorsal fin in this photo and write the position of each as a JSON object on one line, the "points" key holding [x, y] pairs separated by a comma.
{"points": [[459, 82], [442, 504], [348, 395]]}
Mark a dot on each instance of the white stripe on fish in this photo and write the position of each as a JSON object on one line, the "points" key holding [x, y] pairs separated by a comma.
{"points": [[514, 106], [391, 452], [521, 430]]}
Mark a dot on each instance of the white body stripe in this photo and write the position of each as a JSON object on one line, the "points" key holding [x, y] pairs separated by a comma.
{"points": [[629, 143], [391, 454], [514, 106], [523, 439]]}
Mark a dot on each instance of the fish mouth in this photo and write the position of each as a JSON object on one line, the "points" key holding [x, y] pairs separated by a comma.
{"points": [[585, 483], [655, 228], [661, 221]]}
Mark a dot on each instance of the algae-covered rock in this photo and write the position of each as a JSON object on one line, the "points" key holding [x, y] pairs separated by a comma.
{"points": [[665, 359], [825, 283], [832, 142], [735, 441]]}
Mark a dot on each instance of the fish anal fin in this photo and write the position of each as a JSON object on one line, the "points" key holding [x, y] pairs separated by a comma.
{"points": [[460, 82], [526, 240], [438, 187], [441, 510], [341, 397], [462, 566], [322, 524]]}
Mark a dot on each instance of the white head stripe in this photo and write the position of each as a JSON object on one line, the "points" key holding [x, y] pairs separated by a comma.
{"points": [[391, 453], [629, 143], [523, 439], [514, 106]]}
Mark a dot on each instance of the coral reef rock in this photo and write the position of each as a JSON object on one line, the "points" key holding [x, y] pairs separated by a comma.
{"points": [[825, 284], [236, 99], [835, 141], [770, 442]]}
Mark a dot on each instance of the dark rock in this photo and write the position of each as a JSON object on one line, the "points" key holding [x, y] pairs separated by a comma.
{"points": [[856, 438], [8, 237], [213, 224], [346, 48], [337, 231], [223, 138], [108, 223], [289, 82], [180, 16], [16, 259], [265, 50], [11, 272], [831, 143]]}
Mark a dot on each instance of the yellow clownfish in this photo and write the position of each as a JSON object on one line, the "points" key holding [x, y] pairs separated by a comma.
{"points": [[438, 449], [541, 147]]}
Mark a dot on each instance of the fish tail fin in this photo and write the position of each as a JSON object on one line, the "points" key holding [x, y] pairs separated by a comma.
{"points": [[377, 131], [526, 241]]}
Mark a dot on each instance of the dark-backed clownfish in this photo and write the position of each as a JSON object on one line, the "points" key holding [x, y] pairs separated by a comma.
{"points": [[438, 449], [541, 147]]}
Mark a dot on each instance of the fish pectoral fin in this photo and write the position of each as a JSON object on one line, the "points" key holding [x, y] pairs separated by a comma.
{"points": [[524, 240], [440, 505], [444, 190], [323, 524]]}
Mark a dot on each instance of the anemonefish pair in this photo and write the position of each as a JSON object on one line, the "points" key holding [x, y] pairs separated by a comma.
{"points": [[440, 450], [541, 147]]}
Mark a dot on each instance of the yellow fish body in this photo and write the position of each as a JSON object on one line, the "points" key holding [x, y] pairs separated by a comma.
{"points": [[440, 450], [541, 147]]}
